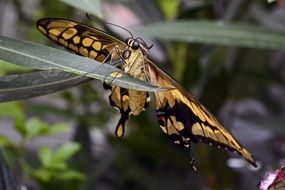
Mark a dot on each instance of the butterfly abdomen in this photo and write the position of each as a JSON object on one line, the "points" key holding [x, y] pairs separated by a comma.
{"points": [[138, 101]]}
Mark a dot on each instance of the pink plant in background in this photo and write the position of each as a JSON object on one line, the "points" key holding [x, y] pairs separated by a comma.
{"points": [[273, 180]]}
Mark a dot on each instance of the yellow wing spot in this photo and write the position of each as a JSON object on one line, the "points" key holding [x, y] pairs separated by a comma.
{"points": [[42, 30], [212, 121], [120, 131], [197, 130], [61, 24], [177, 142], [56, 31], [163, 129], [125, 103], [148, 99], [210, 133], [194, 108], [73, 47], [83, 51], [171, 129], [116, 74], [53, 37], [63, 42], [69, 33], [207, 118], [178, 125], [97, 45], [101, 58], [104, 46], [76, 39], [200, 114], [87, 42], [221, 137], [93, 54], [125, 98]]}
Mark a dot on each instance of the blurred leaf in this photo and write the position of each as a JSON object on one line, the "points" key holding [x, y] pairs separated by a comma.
{"points": [[46, 58], [35, 127], [169, 7], [4, 141], [58, 128], [43, 174], [217, 33], [28, 85], [12, 109], [71, 175], [45, 156], [15, 111], [66, 151], [89, 6]]}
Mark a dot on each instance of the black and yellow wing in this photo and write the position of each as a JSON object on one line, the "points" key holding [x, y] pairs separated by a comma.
{"points": [[80, 39], [186, 120]]}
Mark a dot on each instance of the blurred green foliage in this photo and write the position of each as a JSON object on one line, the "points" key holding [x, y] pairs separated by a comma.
{"points": [[226, 73]]}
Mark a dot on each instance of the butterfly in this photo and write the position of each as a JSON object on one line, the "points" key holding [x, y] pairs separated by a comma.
{"points": [[179, 114]]}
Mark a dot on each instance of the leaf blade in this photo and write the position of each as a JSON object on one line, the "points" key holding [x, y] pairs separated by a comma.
{"points": [[216, 33], [42, 57]]}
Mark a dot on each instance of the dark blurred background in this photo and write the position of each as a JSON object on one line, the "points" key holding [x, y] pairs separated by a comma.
{"points": [[242, 86]]}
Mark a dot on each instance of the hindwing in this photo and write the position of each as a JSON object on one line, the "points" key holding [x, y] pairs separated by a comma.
{"points": [[186, 120]]}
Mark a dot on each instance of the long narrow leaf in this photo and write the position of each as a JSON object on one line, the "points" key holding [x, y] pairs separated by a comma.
{"points": [[89, 6], [28, 85], [217, 33], [42, 57]]}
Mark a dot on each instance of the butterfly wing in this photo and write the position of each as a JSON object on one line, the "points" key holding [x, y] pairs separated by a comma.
{"points": [[186, 120], [79, 38]]}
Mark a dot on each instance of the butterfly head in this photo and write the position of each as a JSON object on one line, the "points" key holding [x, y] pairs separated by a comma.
{"points": [[138, 43]]}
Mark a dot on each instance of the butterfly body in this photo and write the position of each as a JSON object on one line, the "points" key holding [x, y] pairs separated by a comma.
{"points": [[179, 114], [129, 102]]}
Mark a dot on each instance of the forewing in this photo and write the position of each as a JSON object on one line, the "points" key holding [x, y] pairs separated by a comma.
{"points": [[79, 38], [185, 119]]}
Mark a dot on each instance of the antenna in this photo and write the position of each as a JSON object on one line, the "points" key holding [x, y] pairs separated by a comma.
{"points": [[92, 18]]}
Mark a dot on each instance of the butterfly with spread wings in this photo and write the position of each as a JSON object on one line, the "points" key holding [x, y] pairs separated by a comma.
{"points": [[179, 114]]}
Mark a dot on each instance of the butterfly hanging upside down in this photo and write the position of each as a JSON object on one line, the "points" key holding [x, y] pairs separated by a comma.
{"points": [[179, 114]]}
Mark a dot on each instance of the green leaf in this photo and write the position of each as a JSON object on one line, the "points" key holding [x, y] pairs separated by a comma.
{"points": [[35, 127], [28, 85], [4, 141], [46, 58], [12, 109], [65, 151], [217, 33], [15, 111], [169, 8], [89, 6], [45, 156], [43, 174], [57, 128], [71, 175]]}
